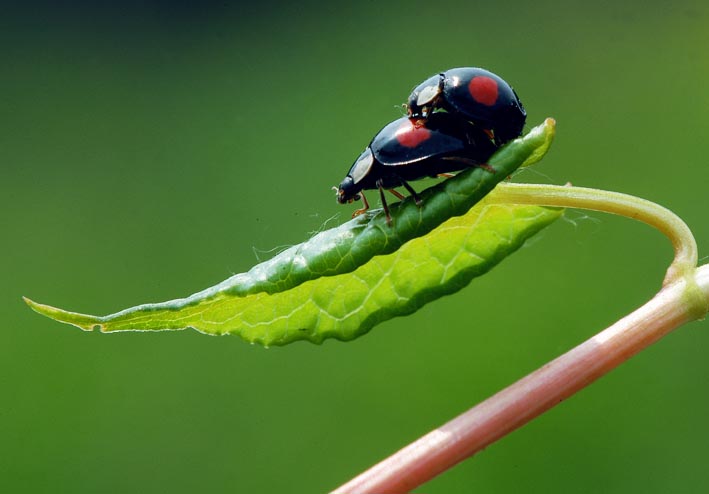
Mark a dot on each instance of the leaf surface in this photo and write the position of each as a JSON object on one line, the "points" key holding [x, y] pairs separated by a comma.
{"points": [[343, 281]]}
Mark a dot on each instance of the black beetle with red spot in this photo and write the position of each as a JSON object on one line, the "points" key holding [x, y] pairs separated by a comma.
{"points": [[411, 149], [476, 94]]}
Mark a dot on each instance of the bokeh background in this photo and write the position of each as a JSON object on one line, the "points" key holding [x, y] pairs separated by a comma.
{"points": [[152, 149]]}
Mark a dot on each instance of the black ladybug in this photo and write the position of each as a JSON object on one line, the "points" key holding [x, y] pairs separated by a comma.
{"points": [[476, 94], [414, 148]]}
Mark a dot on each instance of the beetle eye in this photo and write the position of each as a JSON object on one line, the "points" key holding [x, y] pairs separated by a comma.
{"points": [[357, 197]]}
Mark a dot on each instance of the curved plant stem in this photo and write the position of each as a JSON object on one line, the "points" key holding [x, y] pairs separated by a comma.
{"points": [[616, 203], [684, 298]]}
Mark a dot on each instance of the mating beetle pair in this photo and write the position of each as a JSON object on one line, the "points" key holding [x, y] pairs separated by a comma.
{"points": [[456, 120]]}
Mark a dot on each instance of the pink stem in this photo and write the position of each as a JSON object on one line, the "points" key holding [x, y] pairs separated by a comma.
{"points": [[531, 396]]}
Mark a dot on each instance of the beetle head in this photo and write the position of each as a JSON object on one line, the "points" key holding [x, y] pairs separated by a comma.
{"points": [[425, 96], [347, 191]]}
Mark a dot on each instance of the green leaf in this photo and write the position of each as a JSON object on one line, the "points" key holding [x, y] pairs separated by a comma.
{"points": [[343, 281]]}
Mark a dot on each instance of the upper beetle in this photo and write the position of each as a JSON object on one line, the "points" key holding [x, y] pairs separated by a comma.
{"points": [[413, 148], [476, 94]]}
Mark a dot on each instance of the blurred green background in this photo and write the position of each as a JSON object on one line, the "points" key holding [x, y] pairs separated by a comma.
{"points": [[150, 150]]}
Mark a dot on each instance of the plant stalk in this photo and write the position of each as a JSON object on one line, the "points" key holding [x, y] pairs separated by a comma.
{"points": [[531, 396]]}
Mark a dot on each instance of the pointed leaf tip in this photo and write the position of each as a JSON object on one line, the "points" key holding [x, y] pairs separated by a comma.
{"points": [[84, 322]]}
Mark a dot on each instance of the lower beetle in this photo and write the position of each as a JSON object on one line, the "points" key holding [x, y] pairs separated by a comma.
{"points": [[477, 95], [411, 149]]}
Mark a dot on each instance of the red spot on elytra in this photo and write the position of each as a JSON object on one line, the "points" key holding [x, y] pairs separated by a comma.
{"points": [[411, 135], [483, 89]]}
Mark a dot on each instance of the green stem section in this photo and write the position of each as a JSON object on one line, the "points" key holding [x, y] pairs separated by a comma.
{"points": [[683, 266], [661, 218]]}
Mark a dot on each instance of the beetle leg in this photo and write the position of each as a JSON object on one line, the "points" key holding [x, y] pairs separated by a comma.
{"points": [[487, 167], [365, 206], [398, 194], [446, 175], [413, 193], [384, 201]]}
